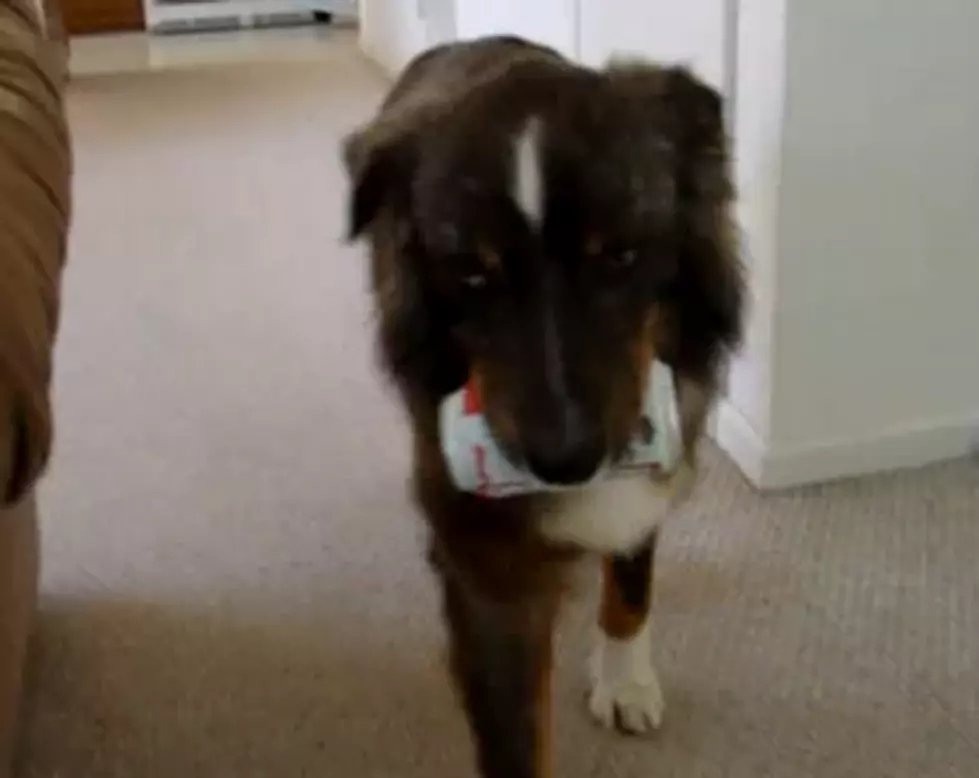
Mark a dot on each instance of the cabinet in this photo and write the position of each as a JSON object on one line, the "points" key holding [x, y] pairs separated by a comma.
{"points": [[93, 16]]}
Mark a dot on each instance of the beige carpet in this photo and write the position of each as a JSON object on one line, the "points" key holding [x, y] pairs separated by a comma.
{"points": [[233, 586]]}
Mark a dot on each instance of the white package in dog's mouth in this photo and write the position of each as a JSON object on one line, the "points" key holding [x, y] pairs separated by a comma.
{"points": [[477, 465]]}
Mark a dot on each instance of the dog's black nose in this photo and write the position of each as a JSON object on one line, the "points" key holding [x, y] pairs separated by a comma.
{"points": [[565, 460]]}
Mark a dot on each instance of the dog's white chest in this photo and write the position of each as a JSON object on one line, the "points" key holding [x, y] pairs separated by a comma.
{"points": [[610, 516]]}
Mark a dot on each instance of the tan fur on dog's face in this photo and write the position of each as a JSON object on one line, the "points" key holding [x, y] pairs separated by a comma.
{"points": [[558, 228]]}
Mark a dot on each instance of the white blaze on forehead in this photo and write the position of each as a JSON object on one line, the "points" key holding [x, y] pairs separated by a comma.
{"points": [[528, 179]]}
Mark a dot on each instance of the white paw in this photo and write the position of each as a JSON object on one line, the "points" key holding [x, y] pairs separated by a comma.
{"points": [[625, 691], [634, 706]]}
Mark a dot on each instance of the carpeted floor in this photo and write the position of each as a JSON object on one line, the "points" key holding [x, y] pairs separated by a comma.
{"points": [[233, 584]]}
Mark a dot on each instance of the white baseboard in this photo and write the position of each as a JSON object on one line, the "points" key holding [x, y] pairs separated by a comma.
{"points": [[772, 468], [384, 59], [392, 57], [736, 437], [897, 450], [391, 62]]}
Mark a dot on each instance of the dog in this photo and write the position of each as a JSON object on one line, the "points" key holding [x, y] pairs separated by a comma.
{"points": [[545, 230]]}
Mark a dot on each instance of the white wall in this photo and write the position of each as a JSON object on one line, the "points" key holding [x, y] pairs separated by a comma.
{"points": [[441, 20], [756, 92], [392, 31], [551, 22], [857, 163], [877, 310], [690, 32]]}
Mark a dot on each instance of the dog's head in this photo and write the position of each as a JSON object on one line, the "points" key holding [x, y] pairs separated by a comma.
{"points": [[548, 237]]}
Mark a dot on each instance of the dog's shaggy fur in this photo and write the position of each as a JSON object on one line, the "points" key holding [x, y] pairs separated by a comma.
{"points": [[546, 230]]}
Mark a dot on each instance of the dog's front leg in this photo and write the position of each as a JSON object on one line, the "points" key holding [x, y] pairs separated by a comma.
{"points": [[501, 662], [625, 691]]}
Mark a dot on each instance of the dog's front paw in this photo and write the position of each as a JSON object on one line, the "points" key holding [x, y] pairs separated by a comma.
{"points": [[625, 690], [633, 707]]}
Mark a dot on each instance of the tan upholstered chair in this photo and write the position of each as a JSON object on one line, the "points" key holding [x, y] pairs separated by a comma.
{"points": [[35, 204]]}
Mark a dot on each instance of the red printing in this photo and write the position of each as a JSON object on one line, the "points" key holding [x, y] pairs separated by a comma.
{"points": [[470, 400]]}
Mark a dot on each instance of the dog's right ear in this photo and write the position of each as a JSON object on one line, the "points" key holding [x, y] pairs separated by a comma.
{"points": [[380, 170]]}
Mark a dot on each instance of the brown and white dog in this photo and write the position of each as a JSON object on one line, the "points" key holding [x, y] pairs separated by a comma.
{"points": [[546, 230]]}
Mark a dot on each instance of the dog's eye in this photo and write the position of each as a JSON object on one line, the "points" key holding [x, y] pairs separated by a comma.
{"points": [[623, 259], [475, 281], [476, 272], [604, 252]]}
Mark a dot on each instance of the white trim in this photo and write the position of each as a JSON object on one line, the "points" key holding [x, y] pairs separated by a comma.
{"points": [[391, 60], [738, 439], [769, 469], [897, 450], [576, 41]]}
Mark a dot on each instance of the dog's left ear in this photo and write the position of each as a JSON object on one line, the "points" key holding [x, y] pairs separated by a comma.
{"points": [[710, 289], [707, 297], [380, 167]]}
